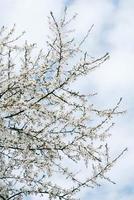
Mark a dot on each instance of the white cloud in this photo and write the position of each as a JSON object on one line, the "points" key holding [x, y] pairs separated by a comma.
{"points": [[115, 30]]}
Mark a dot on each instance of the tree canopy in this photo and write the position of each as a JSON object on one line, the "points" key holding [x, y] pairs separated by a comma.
{"points": [[52, 138]]}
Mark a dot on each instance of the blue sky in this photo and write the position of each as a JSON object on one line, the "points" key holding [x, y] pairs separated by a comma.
{"points": [[113, 32], [68, 2]]}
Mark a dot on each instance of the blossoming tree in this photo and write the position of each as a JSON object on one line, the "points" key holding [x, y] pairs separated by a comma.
{"points": [[52, 139]]}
